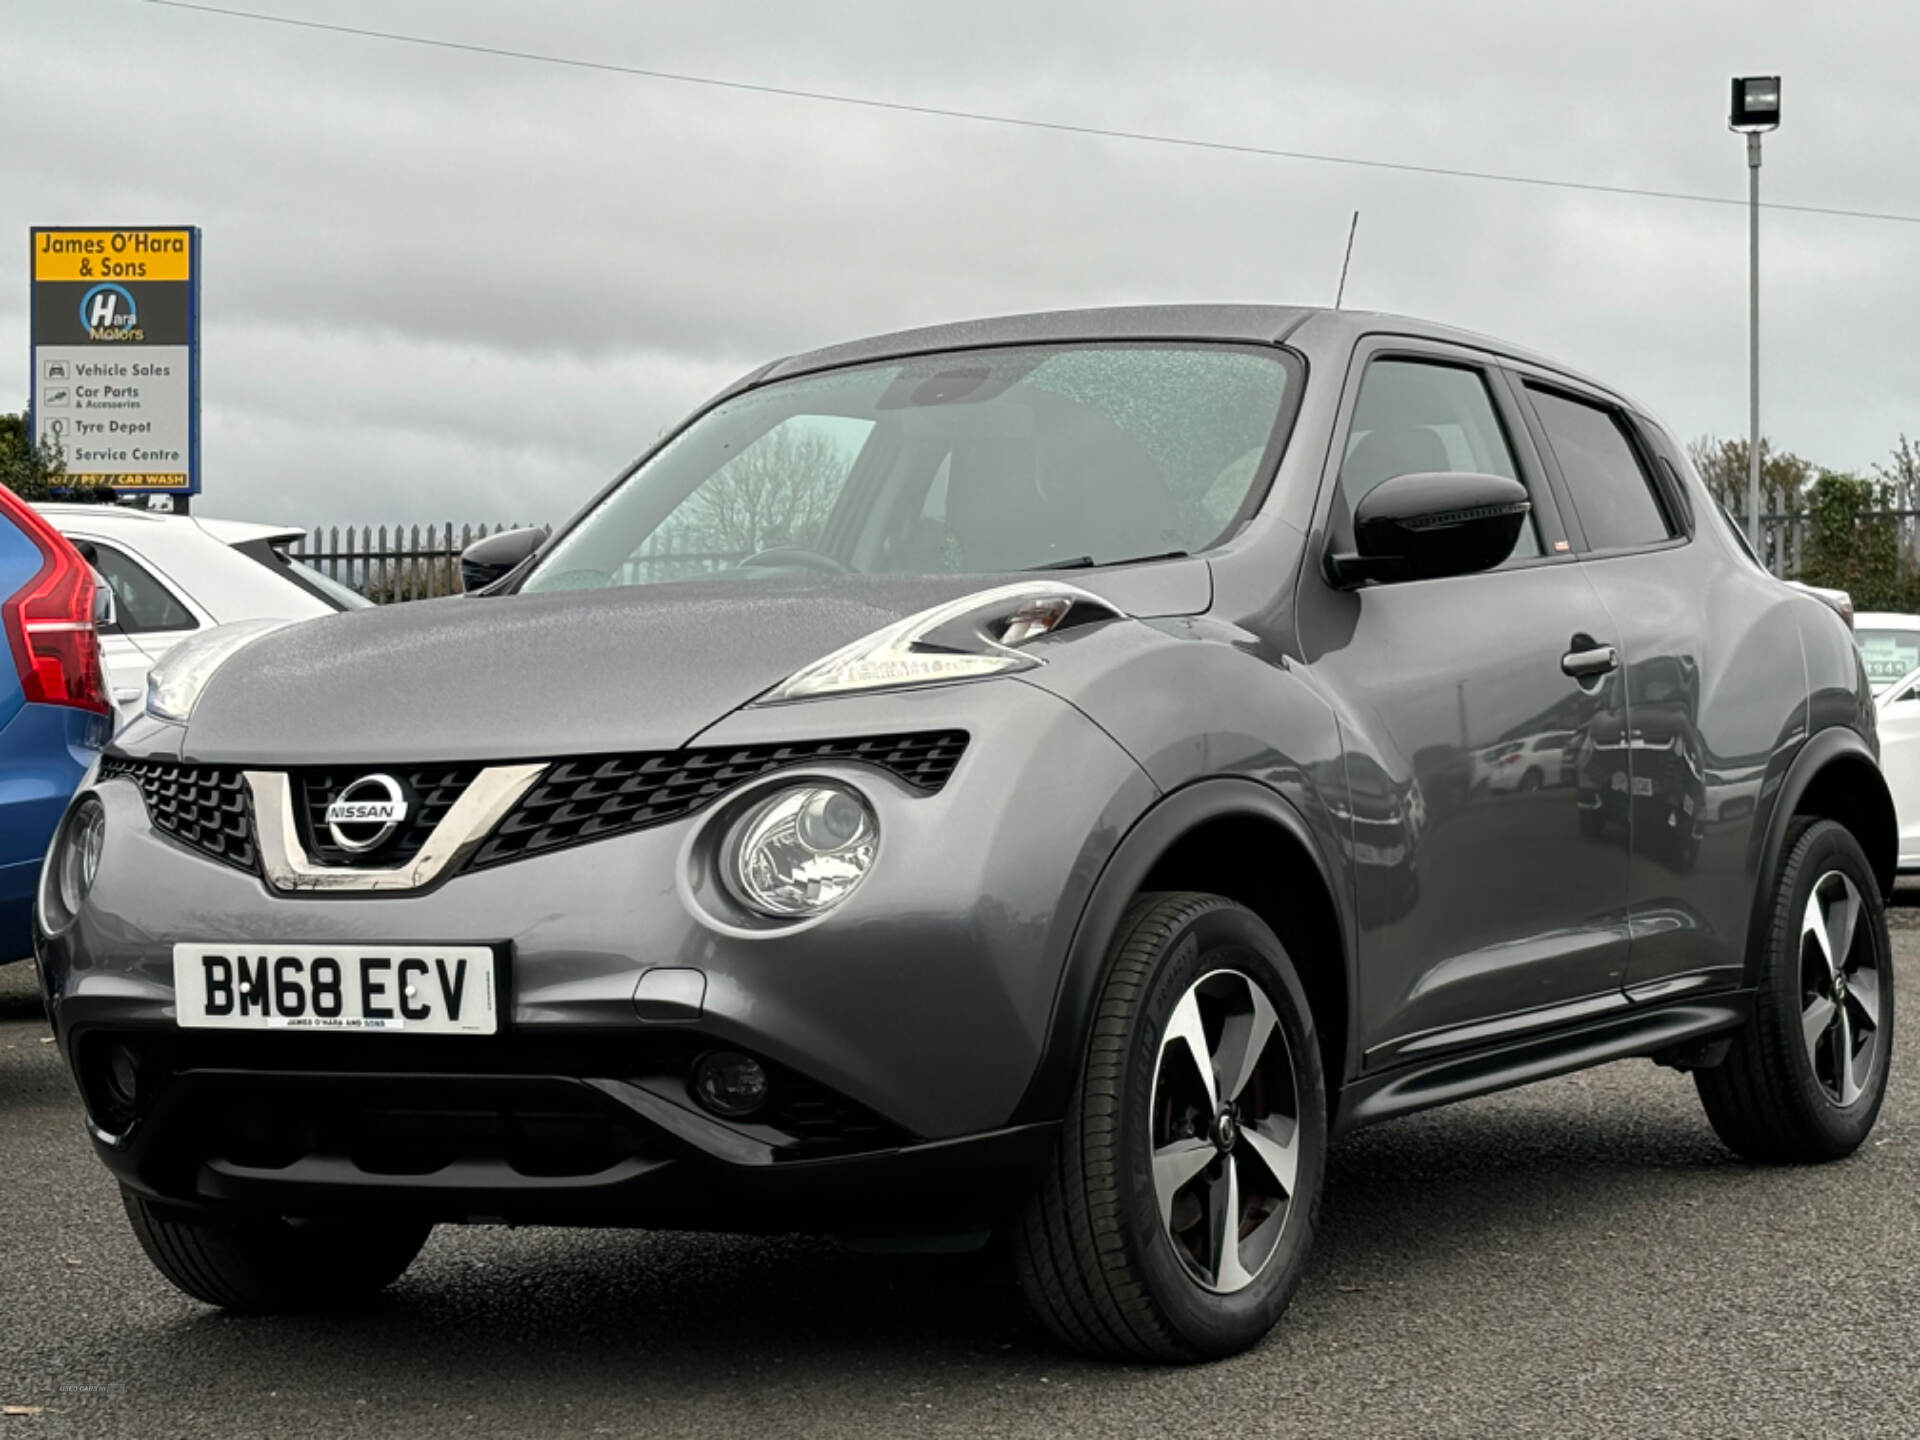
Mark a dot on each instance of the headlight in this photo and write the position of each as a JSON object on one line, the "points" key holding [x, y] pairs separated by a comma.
{"points": [[967, 639], [79, 857], [800, 851], [174, 685]]}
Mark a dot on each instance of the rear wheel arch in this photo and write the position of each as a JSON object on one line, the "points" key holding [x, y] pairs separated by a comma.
{"points": [[1223, 836], [1834, 777]]}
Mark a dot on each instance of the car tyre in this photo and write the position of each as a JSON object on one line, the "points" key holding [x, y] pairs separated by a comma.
{"points": [[1804, 1080], [266, 1265], [1120, 1250]]}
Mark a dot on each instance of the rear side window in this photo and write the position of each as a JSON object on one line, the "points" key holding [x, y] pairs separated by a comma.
{"points": [[1611, 493], [141, 604]]}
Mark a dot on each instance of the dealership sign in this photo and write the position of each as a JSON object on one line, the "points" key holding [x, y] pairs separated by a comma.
{"points": [[116, 355]]}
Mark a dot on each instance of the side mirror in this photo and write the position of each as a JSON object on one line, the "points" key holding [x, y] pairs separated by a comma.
{"points": [[105, 616], [488, 560], [1432, 524]]}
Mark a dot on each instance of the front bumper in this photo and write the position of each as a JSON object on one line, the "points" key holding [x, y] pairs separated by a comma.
{"points": [[579, 1140], [912, 1017]]}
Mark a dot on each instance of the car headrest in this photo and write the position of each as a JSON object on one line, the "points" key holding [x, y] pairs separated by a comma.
{"points": [[1385, 453]]}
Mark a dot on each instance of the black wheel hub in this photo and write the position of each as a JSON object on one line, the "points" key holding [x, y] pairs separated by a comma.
{"points": [[1226, 1128]]}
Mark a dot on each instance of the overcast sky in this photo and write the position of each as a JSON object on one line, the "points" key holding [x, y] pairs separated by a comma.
{"points": [[441, 285]]}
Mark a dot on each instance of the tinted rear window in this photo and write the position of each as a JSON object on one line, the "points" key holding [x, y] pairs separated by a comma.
{"points": [[1611, 493]]}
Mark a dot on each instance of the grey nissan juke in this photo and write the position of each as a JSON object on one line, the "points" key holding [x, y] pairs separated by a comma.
{"points": [[1043, 776]]}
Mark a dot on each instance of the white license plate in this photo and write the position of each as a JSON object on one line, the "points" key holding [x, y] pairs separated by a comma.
{"points": [[416, 989]]}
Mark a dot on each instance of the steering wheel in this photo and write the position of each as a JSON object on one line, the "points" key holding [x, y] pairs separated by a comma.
{"points": [[797, 556]]}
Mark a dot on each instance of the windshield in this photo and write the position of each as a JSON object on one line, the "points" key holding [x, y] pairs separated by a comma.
{"points": [[979, 461], [1889, 654]]}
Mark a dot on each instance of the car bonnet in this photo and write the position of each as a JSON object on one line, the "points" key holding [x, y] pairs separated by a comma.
{"points": [[524, 677]]}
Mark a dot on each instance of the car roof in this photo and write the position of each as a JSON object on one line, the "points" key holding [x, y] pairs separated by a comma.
{"points": [[107, 514], [227, 532], [1884, 620], [239, 532], [1244, 324]]}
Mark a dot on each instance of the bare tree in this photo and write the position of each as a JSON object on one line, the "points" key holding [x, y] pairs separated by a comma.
{"points": [[1899, 478], [1902, 473], [778, 491], [1784, 476], [1785, 480]]}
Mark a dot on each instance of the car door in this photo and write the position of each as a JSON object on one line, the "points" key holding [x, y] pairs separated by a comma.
{"points": [[1714, 684], [1900, 762], [1501, 910], [150, 617]]}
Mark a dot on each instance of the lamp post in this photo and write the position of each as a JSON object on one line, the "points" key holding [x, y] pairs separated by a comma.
{"points": [[1755, 110]]}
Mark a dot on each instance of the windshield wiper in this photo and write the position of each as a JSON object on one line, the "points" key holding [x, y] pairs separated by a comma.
{"points": [[1087, 562]]}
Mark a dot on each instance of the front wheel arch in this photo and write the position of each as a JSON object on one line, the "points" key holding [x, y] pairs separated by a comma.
{"points": [[1170, 847]]}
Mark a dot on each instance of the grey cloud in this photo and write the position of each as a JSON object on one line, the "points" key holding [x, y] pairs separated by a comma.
{"points": [[452, 282]]}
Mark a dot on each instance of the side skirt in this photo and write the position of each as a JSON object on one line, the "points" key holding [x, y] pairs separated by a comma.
{"points": [[1458, 1076]]}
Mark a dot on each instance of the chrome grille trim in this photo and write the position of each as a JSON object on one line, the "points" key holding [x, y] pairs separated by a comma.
{"points": [[494, 792]]}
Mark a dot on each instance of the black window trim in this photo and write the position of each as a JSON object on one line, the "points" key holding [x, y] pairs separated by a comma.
{"points": [[1526, 380], [273, 555], [1548, 506], [145, 567], [1669, 469]]}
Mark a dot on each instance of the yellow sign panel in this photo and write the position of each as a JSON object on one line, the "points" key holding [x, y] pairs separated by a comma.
{"points": [[167, 480], [112, 255]]}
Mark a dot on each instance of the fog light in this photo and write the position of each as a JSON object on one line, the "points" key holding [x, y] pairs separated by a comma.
{"points": [[729, 1083], [123, 1077]]}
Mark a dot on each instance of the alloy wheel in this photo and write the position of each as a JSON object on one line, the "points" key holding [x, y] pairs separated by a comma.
{"points": [[1225, 1130], [1840, 1014]]}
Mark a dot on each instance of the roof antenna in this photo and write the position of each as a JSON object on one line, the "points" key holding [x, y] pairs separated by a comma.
{"points": [[1340, 294]]}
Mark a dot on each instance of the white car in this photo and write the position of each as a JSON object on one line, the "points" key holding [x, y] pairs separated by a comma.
{"points": [[172, 575], [1899, 723], [1890, 645], [1529, 763]]}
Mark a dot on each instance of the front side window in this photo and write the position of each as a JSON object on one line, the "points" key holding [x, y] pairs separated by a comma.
{"points": [[1611, 493], [141, 604], [1413, 417], [978, 461]]}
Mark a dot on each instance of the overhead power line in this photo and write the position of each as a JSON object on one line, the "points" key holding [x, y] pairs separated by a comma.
{"points": [[1027, 122]]}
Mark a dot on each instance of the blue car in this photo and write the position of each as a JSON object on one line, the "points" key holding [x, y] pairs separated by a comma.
{"points": [[53, 703]]}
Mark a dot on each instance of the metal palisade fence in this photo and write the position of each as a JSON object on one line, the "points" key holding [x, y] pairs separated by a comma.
{"points": [[1784, 540], [404, 563], [420, 562], [416, 562]]}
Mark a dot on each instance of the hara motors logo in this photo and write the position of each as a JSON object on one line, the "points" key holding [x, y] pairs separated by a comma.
{"points": [[109, 313]]}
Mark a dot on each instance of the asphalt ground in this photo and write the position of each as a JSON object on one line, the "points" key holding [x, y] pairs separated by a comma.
{"points": [[1578, 1258]]}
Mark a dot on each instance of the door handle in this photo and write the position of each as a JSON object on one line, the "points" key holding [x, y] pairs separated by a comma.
{"points": [[1588, 658]]}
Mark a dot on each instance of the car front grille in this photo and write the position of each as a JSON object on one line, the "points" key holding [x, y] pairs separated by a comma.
{"points": [[204, 807], [577, 800], [590, 798], [431, 791]]}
